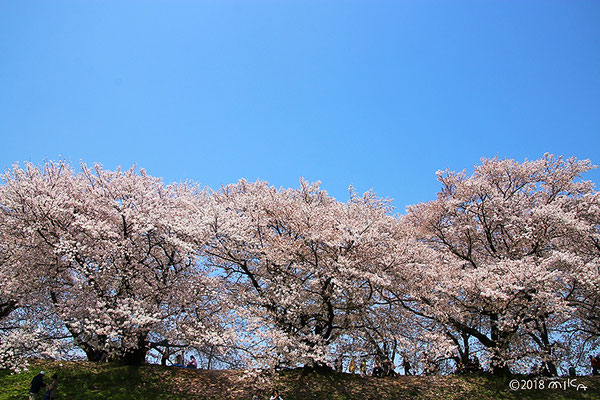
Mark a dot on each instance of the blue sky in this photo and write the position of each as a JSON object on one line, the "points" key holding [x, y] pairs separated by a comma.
{"points": [[371, 93]]}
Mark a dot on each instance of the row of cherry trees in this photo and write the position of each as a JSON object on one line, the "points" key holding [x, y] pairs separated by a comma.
{"points": [[504, 264]]}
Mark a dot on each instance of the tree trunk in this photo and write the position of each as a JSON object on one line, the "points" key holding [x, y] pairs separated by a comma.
{"points": [[498, 367], [164, 357], [93, 354], [136, 356], [552, 368]]}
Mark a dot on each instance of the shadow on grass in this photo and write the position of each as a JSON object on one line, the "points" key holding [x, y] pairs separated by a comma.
{"points": [[85, 380]]}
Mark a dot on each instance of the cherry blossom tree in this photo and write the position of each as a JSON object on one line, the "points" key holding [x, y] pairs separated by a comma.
{"points": [[105, 251], [303, 262], [497, 273]]}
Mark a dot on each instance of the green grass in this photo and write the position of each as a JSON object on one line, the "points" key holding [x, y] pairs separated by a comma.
{"points": [[85, 380]]}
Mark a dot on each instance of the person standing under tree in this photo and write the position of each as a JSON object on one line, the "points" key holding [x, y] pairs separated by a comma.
{"points": [[363, 367], [51, 393], [338, 364], [275, 396], [352, 366], [37, 383], [406, 366], [377, 368]]}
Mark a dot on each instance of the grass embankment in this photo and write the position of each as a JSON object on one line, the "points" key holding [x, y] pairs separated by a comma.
{"points": [[84, 380]]}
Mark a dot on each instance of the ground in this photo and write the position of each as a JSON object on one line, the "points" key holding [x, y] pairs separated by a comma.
{"points": [[85, 380]]}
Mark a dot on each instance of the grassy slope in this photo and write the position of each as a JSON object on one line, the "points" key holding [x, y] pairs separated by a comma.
{"points": [[83, 380]]}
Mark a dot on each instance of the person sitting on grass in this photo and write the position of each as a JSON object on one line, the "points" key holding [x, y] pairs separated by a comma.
{"points": [[192, 364], [377, 369], [178, 361], [473, 365], [595, 361], [460, 368], [37, 383]]}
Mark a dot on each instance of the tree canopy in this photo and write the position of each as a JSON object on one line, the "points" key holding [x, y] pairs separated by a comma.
{"points": [[504, 264]]}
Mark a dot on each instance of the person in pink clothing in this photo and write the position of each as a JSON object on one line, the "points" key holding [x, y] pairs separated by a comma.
{"points": [[192, 364]]}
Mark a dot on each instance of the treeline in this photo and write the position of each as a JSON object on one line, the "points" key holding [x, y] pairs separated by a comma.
{"points": [[504, 264]]}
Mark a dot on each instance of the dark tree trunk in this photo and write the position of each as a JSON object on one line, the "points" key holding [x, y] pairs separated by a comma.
{"points": [[552, 370], [91, 353], [500, 370], [136, 356], [210, 358], [466, 354], [94, 355], [547, 346], [498, 367]]}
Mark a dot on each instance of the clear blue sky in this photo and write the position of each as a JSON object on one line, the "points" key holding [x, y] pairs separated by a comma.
{"points": [[372, 93]]}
